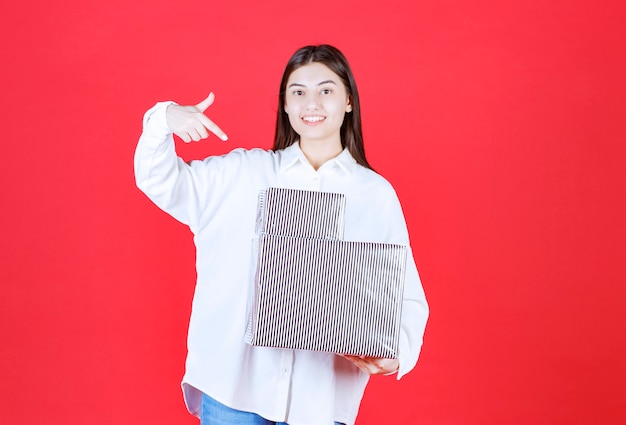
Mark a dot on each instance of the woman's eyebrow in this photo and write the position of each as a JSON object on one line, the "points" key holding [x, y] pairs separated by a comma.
{"points": [[319, 84]]}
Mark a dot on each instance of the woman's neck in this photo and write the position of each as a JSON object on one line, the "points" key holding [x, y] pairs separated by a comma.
{"points": [[318, 151]]}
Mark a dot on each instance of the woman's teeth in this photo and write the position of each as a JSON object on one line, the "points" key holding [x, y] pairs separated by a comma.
{"points": [[312, 119]]}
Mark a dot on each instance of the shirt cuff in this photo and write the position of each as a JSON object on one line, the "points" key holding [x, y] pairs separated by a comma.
{"points": [[155, 122]]}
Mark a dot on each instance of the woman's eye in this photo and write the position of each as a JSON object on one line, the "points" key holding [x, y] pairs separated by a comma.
{"points": [[298, 92], [327, 91]]}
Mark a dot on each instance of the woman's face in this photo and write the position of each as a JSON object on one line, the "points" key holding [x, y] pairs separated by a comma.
{"points": [[316, 102]]}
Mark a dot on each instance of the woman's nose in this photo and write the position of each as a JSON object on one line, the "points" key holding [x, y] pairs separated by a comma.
{"points": [[312, 100]]}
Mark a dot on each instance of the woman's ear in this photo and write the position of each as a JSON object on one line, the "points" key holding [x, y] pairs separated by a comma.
{"points": [[349, 105]]}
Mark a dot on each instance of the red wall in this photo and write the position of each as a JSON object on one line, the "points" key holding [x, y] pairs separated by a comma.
{"points": [[501, 124]]}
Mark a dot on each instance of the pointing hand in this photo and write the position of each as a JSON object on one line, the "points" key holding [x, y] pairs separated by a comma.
{"points": [[189, 122]]}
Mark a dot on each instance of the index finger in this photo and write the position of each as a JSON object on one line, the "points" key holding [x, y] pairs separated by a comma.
{"points": [[212, 127]]}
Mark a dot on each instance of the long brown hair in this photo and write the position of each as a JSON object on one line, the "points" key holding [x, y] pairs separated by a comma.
{"points": [[351, 133]]}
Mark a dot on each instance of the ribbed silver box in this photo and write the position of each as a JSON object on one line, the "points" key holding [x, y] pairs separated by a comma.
{"points": [[301, 213], [321, 293]]}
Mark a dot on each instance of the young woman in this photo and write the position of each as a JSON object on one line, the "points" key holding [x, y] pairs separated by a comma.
{"points": [[318, 146]]}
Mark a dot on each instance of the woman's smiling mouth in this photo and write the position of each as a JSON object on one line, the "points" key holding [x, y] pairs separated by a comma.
{"points": [[313, 119]]}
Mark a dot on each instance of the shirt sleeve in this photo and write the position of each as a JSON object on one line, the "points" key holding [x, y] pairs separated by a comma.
{"points": [[164, 177], [415, 309], [414, 316]]}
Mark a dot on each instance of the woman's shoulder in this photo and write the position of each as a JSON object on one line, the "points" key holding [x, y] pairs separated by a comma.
{"points": [[375, 180], [237, 163], [241, 155], [251, 153]]}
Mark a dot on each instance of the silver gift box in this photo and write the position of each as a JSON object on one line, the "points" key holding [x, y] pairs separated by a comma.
{"points": [[313, 291], [301, 213]]}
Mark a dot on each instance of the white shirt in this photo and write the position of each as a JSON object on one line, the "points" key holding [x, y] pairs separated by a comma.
{"points": [[217, 197]]}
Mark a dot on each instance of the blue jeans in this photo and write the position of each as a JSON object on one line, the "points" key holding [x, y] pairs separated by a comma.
{"points": [[215, 413]]}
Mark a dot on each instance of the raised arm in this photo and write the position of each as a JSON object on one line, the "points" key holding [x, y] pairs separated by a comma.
{"points": [[166, 179]]}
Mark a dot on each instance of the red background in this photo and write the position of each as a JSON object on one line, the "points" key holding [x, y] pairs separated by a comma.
{"points": [[501, 125]]}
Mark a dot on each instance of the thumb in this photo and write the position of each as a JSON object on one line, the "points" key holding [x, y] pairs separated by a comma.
{"points": [[202, 106]]}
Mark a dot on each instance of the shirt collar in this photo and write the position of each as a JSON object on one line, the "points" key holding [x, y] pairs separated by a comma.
{"points": [[293, 155]]}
